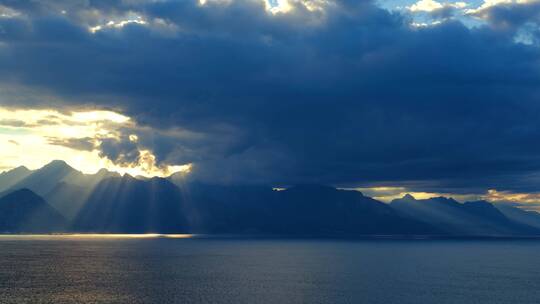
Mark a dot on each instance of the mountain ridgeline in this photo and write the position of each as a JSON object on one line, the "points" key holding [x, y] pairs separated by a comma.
{"points": [[58, 198]]}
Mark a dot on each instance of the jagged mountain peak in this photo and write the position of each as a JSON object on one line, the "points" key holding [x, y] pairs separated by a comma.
{"points": [[19, 169], [22, 194], [24, 211], [408, 197], [58, 164]]}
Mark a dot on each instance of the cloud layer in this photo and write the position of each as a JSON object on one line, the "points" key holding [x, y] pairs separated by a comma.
{"points": [[338, 91]]}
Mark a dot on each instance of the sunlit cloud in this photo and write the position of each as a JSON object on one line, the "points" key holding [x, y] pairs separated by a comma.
{"points": [[526, 201], [481, 10], [117, 24], [432, 5], [387, 194], [425, 6], [278, 6], [204, 2], [34, 137], [508, 196], [429, 13], [6, 12], [425, 24], [491, 3]]}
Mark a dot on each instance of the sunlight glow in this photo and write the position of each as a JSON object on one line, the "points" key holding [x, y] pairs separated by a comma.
{"points": [[278, 6], [93, 116], [491, 3], [117, 24], [425, 6], [507, 196], [90, 236], [529, 201], [147, 167], [432, 5], [387, 194], [6, 12], [34, 137]]}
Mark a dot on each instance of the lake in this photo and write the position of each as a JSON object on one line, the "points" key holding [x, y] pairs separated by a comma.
{"points": [[180, 269]]}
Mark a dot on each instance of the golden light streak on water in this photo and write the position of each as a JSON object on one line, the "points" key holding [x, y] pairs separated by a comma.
{"points": [[90, 236]]}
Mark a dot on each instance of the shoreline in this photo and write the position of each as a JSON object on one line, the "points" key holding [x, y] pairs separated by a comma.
{"points": [[82, 236]]}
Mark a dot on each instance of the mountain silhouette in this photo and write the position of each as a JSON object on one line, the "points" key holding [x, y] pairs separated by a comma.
{"points": [[67, 198], [64, 188], [300, 210], [485, 210], [43, 180], [12, 177], [107, 202], [25, 211], [470, 218], [323, 209], [518, 215], [128, 205], [156, 205]]}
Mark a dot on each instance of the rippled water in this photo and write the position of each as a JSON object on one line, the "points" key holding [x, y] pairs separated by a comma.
{"points": [[155, 269]]}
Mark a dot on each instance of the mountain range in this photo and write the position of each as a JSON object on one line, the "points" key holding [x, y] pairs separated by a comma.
{"points": [[58, 198]]}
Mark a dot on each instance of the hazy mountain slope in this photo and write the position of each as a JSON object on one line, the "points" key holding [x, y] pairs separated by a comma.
{"points": [[156, 205], [67, 198], [227, 209], [25, 211], [64, 188], [130, 205], [12, 177], [90, 181], [106, 202], [471, 218], [530, 218], [43, 180], [301, 210], [313, 208]]}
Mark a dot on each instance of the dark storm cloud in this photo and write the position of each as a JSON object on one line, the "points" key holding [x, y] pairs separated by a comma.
{"points": [[444, 12], [349, 95], [13, 123], [121, 151], [511, 16], [83, 144]]}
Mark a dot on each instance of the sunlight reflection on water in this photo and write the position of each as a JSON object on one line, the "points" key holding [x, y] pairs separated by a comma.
{"points": [[96, 268], [11, 237]]}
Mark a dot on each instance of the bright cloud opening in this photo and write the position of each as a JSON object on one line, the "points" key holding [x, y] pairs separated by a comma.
{"points": [[34, 137], [387, 194], [117, 24], [432, 5], [278, 6]]}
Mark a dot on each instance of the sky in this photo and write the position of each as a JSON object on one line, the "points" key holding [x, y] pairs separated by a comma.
{"points": [[389, 97]]}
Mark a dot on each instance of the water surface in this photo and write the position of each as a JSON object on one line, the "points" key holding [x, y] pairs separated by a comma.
{"points": [[178, 269]]}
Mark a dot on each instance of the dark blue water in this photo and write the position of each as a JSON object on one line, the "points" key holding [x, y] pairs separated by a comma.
{"points": [[206, 270]]}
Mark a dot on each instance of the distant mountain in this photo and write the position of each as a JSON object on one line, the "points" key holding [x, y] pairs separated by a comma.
{"points": [[128, 205], [470, 218], [518, 215], [227, 209], [300, 210], [108, 202], [326, 210], [485, 210], [67, 198], [11, 177], [90, 181], [156, 205], [43, 180], [65, 188], [25, 211]]}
